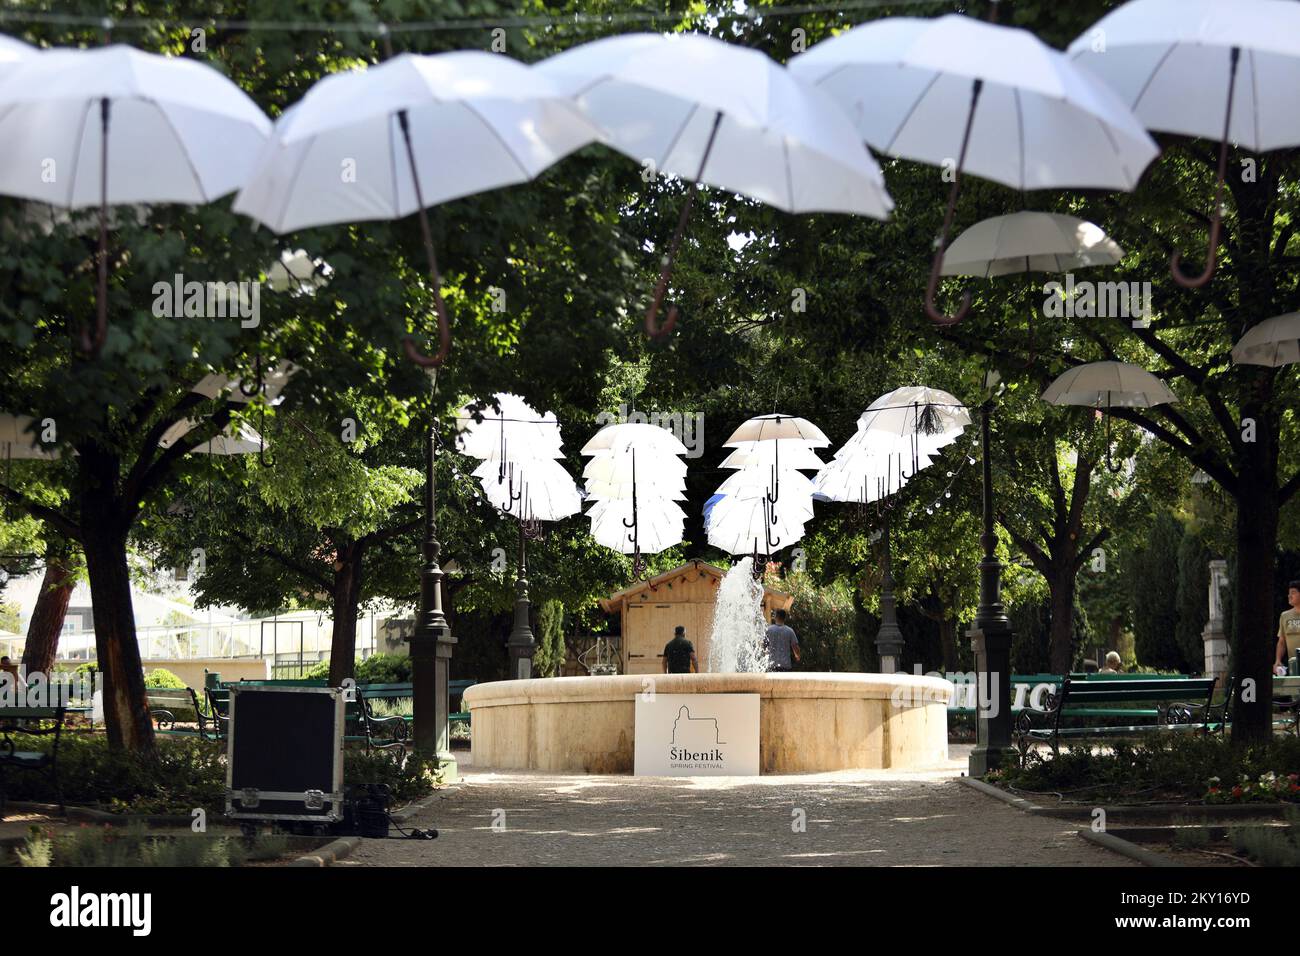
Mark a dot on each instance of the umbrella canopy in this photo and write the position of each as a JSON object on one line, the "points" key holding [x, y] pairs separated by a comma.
{"points": [[13, 52], [656, 529], [178, 131], [622, 436], [1008, 107], [1274, 342], [654, 470], [273, 383], [477, 121], [1041, 122], [16, 439], [746, 525], [1177, 64], [1109, 385], [928, 417], [775, 426], [537, 489], [724, 115], [238, 438], [791, 452], [866, 476], [750, 482], [1029, 242], [508, 427]]}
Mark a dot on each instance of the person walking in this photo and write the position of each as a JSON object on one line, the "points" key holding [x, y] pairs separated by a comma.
{"points": [[679, 654], [782, 644], [1288, 629]]}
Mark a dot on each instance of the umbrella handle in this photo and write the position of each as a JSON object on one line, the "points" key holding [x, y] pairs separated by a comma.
{"points": [[263, 459], [1211, 256], [932, 287], [444, 324], [666, 272], [91, 343]]}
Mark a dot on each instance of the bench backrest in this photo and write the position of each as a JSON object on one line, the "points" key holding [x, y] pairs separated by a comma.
{"points": [[1097, 692], [170, 695], [31, 713]]}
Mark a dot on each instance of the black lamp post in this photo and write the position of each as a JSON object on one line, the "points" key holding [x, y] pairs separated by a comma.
{"points": [[889, 639], [521, 644], [432, 643], [990, 637]]}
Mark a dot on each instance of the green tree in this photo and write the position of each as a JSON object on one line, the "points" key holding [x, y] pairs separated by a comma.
{"points": [[1154, 582]]}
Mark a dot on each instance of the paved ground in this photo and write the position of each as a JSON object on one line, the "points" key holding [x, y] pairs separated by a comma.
{"points": [[862, 819]]}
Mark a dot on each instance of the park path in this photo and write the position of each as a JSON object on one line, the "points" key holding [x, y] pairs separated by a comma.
{"points": [[876, 818]]}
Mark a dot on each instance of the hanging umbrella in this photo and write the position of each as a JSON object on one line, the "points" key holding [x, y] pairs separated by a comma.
{"points": [[792, 453], [771, 427], [118, 126], [648, 466], [723, 115], [743, 525], [16, 439], [1167, 60], [14, 52], [657, 528], [924, 419], [417, 131], [273, 383], [1029, 242], [749, 482], [1006, 105], [535, 489], [508, 427], [1105, 385], [1274, 342], [621, 436], [867, 476], [238, 438]]}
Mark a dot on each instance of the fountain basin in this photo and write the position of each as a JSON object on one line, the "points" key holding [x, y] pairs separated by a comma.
{"points": [[808, 722]]}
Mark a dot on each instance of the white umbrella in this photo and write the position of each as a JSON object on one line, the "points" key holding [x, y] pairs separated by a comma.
{"points": [[792, 453], [235, 390], [16, 439], [1029, 242], [648, 466], [668, 489], [415, 131], [749, 482], [533, 489], [1105, 385], [1274, 342], [1008, 107], [775, 426], [748, 525], [623, 435], [924, 418], [236, 439], [508, 427], [724, 115], [866, 476], [657, 528], [1167, 59], [14, 52], [114, 125]]}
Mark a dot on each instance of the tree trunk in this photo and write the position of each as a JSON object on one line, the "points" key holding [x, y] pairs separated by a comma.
{"points": [[1060, 644], [345, 596], [51, 608], [1255, 636], [126, 710], [948, 642]]}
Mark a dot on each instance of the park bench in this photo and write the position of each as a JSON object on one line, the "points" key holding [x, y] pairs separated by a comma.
{"points": [[456, 694], [172, 705], [1181, 703], [382, 731], [33, 722]]}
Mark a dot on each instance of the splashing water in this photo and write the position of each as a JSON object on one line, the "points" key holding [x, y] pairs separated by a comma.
{"points": [[737, 644]]}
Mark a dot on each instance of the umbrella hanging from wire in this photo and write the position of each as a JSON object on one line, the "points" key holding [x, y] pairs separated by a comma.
{"points": [[723, 115], [418, 130], [1107, 385], [1274, 342], [1008, 107], [119, 126], [1166, 59]]}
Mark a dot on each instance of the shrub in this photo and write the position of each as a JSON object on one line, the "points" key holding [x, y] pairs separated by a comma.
{"points": [[407, 779], [824, 619], [134, 845], [375, 669], [161, 677]]}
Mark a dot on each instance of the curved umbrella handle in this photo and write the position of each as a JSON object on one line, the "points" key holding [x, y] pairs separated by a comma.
{"points": [[1211, 255], [670, 323], [932, 287], [444, 325]]}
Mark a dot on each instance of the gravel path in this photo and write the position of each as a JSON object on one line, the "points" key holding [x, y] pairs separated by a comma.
{"points": [[877, 818]]}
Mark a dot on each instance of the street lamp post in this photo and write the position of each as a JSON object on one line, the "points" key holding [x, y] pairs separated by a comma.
{"points": [[432, 643], [521, 644], [889, 639], [990, 637]]}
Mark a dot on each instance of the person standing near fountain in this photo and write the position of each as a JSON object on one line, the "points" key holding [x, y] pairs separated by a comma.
{"points": [[782, 643], [679, 654]]}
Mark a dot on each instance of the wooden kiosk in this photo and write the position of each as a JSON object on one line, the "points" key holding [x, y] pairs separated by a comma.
{"points": [[650, 610]]}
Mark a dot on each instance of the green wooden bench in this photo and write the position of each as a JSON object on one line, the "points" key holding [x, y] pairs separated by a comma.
{"points": [[1182, 703], [1024, 686], [169, 706], [32, 722]]}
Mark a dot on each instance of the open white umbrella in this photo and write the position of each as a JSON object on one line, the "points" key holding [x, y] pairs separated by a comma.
{"points": [[749, 526], [1274, 342], [791, 453], [534, 489], [1001, 102], [1106, 385], [776, 426], [1029, 242], [657, 528], [623, 435], [508, 427], [412, 132], [236, 439], [13, 52], [1167, 60], [16, 439], [724, 115], [114, 125]]}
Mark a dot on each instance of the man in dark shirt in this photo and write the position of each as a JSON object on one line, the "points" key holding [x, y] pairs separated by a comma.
{"points": [[782, 644], [679, 654]]}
